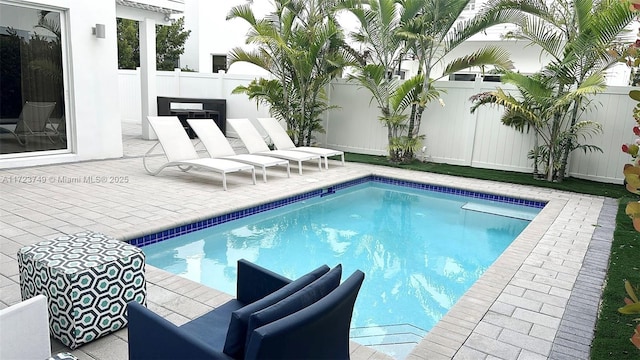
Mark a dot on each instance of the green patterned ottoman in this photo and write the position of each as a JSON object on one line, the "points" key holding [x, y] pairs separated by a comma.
{"points": [[88, 279]]}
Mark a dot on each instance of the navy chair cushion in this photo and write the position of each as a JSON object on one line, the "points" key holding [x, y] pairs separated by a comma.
{"points": [[237, 332], [211, 328], [297, 301]]}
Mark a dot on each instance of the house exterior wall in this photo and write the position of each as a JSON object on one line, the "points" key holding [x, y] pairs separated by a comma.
{"points": [[91, 85], [212, 34], [91, 78]]}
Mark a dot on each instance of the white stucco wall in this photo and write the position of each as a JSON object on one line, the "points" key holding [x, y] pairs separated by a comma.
{"points": [[212, 34], [92, 83]]}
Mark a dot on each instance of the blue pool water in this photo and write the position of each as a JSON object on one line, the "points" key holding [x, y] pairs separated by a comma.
{"points": [[420, 250]]}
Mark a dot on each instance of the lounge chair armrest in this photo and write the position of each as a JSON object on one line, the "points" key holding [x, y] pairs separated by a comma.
{"points": [[319, 331], [255, 282], [153, 337]]}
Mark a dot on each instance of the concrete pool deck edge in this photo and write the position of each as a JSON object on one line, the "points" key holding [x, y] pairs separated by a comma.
{"points": [[461, 333], [518, 306]]}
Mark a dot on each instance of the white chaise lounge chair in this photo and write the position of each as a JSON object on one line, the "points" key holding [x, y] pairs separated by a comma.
{"points": [[255, 144], [218, 147], [180, 151], [34, 121], [282, 141]]}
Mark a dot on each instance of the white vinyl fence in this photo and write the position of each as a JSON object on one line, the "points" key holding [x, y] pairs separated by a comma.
{"points": [[453, 134]]}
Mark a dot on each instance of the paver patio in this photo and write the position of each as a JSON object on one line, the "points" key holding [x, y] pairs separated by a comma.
{"points": [[519, 309]]}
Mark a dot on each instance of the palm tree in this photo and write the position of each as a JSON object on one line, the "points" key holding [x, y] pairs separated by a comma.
{"points": [[302, 46], [266, 92], [427, 30], [270, 35], [538, 107], [432, 30], [579, 35], [379, 23]]}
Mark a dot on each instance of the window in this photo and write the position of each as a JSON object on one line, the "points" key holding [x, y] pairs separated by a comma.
{"points": [[471, 5], [219, 63], [399, 73], [32, 102]]}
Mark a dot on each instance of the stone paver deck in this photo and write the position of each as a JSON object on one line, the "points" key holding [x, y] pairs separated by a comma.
{"points": [[539, 300]]}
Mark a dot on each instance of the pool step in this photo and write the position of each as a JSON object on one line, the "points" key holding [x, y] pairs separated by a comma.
{"points": [[504, 210], [395, 340]]}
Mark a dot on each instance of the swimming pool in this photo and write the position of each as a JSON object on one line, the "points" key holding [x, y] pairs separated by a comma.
{"points": [[413, 276]]}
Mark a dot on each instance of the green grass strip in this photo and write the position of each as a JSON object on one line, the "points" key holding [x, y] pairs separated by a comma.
{"points": [[613, 329]]}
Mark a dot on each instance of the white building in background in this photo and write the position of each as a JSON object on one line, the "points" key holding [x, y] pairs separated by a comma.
{"points": [[213, 37]]}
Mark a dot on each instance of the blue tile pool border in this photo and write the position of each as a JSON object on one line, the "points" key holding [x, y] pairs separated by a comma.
{"points": [[221, 219]]}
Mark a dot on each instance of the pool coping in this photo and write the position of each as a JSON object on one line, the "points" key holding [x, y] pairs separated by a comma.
{"points": [[499, 317], [465, 316], [180, 230], [577, 327], [480, 325]]}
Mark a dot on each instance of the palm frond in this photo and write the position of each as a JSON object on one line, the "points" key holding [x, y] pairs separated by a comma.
{"points": [[545, 35], [242, 12], [537, 88], [255, 57], [465, 29], [406, 94], [484, 98], [517, 120], [595, 83], [530, 7], [490, 55]]}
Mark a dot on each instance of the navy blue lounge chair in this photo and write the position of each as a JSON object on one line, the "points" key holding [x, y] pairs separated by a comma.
{"points": [[271, 318]]}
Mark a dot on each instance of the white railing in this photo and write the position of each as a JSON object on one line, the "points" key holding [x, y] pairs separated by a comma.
{"points": [[453, 135]]}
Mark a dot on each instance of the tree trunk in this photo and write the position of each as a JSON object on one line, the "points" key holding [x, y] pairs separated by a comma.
{"points": [[535, 156], [308, 138], [416, 116], [550, 171], [566, 151]]}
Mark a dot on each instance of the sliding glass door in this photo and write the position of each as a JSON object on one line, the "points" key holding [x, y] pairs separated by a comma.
{"points": [[32, 96]]}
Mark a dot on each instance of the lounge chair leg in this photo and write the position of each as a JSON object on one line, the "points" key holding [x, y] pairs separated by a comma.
{"points": [[144, 161], [224, 181], [288, 169], [326, 162], [320, 163], [264, 173], [300, 167], [253, 175], [343, 159]]}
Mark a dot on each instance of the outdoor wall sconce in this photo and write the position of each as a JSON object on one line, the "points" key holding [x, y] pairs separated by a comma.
{"points": [[99, 31]]}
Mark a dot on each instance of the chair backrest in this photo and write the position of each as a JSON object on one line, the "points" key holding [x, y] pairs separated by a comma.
{"points": [[211, 137], [249, 135], [34, 117], [174, 140], [277, 133], [24, 330], [319, 331]]}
